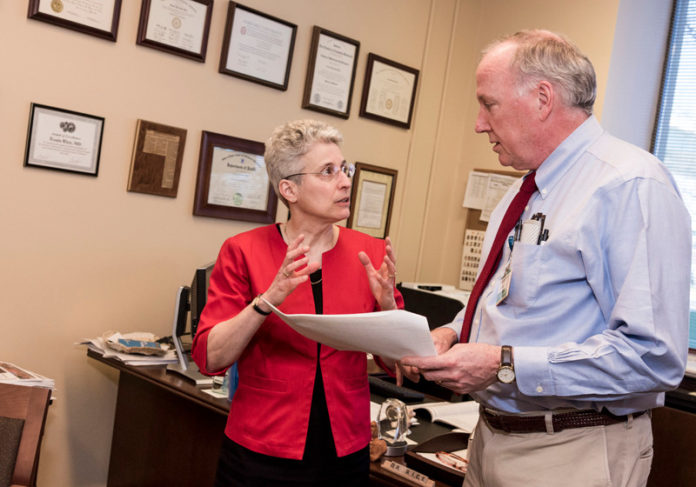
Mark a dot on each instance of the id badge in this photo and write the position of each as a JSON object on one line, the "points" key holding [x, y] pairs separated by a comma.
{"points": [[504, 286]]}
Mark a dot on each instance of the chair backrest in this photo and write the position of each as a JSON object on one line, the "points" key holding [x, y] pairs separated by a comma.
{"points": [[31, 405], [438, 309]]}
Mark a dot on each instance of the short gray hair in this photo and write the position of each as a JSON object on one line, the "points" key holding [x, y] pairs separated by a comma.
{"points": [[289, 142], [545, 55]]}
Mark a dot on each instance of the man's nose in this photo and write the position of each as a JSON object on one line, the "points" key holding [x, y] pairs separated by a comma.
{"points": [[481, 123]]}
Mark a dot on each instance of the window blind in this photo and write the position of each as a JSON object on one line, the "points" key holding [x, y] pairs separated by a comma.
{"points": [[674, 140]]}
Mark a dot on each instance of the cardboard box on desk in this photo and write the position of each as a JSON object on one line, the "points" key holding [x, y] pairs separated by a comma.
{"points": [[436, 470]]}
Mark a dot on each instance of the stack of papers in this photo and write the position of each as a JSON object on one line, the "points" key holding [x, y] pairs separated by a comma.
{"points": [[101, 346], [13, 374], [389, 334]]}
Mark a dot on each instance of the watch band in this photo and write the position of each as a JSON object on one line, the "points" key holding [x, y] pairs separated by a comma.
{"points": [[506, 369], [255, 305], [506, 355]]}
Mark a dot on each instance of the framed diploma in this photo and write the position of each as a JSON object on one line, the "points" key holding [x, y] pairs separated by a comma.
{"points": [[389, 91], [330, 73], [257, 47], [63, 140], [179, 27], [156, 163], [371, 199], [95, 17], [232, 180]]}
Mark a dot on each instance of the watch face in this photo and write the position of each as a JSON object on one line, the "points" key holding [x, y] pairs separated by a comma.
{"points": [[506, 375]]}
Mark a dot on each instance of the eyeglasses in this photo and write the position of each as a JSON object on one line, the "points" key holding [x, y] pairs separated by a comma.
{"points": [[331, 171], [453, 460]]}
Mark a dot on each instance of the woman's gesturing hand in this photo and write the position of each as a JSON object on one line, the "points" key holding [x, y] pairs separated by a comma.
{"points": [[382, 280], [291, 273]]}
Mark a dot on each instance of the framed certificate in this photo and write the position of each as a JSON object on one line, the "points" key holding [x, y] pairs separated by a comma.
{"points": [[157, 155], [95, 17], [63, 140], [330, 73], [179, 27], [257, 47], [371, 199], [389, 91], [232, 180]]}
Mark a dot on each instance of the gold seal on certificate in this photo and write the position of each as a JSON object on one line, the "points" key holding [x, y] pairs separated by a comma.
{"points": [[57, 6], [176, 22]]}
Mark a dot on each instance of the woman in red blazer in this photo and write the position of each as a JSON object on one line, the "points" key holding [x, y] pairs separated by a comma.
{"points": [[301, 414]]}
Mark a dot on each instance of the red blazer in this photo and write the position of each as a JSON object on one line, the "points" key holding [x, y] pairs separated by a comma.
{"points": [[270, 410]]}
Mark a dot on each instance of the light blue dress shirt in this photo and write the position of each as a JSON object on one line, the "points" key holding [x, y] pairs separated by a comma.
{"points": [[598, 315]]}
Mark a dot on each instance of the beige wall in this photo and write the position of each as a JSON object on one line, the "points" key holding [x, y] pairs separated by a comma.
{"points": [[81, 255]]}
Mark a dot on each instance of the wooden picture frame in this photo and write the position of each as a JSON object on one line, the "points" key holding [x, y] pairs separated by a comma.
{"points": [[389, 91], [248, 54], [232, 181], [182, 30], [158, 152], [63, 140], [372, 199], [102, 21], [333, 59]]}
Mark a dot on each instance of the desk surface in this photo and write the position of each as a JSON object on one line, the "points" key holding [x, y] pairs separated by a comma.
{"points": [[144, 397], [174, 383]]}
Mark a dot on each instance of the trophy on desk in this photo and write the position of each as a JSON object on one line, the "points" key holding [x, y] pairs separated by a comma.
{"points": [[393, 422]]}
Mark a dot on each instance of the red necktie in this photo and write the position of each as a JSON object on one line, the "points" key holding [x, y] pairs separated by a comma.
{"points": [[512, 216]]}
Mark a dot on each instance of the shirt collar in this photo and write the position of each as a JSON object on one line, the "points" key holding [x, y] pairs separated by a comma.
{"points": [[566, 155]]}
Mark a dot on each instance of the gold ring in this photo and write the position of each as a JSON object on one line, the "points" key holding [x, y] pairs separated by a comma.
{"points": [[287, 274], [391, 276]]}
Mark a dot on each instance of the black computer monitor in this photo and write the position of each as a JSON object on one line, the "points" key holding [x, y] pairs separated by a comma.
{"points": [[199, 294]]}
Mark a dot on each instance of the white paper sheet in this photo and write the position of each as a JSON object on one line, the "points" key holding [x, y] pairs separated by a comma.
{"points": [[389, 334]]}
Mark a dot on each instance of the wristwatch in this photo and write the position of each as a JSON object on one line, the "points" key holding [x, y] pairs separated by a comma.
{"points": [[257, 308], [506, 369]]}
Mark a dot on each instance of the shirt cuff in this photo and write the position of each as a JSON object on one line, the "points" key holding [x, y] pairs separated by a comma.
{"points": [[532, 371]]}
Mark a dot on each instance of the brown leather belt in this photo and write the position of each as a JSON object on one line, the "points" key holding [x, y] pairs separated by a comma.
{"points": [[559, 421]]}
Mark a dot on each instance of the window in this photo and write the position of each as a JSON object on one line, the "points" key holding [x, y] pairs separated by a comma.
{"points": [[674, 141]]}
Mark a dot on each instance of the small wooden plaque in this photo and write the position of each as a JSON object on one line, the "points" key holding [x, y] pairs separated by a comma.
{"points": [[158, 152]]}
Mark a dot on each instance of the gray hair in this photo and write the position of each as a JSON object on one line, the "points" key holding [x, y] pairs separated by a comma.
{"points": [[289, 142], [545, 55]]}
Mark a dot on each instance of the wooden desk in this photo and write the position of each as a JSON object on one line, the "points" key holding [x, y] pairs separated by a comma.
{"points": [[169, 432], [674, 430]]}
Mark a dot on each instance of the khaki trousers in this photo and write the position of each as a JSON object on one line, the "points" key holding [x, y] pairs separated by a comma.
{"points": [[619, 455]]}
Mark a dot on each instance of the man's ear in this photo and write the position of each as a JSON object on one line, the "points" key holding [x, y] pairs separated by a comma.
{"points": [[545, 99], [288, 189]]}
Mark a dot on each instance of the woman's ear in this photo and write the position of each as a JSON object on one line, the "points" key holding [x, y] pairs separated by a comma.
{"points": [[288, 189]]}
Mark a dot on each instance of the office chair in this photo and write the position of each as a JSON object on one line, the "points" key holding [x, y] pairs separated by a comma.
{"points": [[439, 310], [22, 411]]}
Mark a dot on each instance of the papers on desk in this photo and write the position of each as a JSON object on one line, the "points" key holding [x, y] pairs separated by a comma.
{"points": [[13, 374], [691, 365], [389, 334], [100, 346]]}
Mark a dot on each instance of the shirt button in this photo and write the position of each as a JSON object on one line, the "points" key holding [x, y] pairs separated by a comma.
{"points": [[539, 389]]}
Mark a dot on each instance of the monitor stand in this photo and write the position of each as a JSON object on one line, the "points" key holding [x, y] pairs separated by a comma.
{"points": [[184, 366], [191, 372]]}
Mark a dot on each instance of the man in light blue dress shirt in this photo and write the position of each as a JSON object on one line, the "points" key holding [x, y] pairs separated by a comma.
{"points": [[594, 313]]}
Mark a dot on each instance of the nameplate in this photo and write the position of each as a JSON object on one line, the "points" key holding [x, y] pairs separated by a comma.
{"points": [[407, 473]]}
